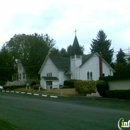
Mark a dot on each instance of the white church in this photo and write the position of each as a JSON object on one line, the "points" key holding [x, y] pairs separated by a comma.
{"points": [[55, 69]]}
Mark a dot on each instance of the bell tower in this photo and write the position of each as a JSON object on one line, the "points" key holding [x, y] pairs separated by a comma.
{"points": [[75, 59]]}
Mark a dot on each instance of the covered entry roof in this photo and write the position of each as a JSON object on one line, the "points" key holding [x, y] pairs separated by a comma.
{"points": [[50, 78]]}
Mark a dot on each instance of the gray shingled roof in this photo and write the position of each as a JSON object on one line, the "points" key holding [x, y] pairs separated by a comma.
{"points": [[76, 50], [61, 63], [86, 58]]}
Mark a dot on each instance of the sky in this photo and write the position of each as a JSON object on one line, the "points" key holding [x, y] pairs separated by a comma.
{"points": [[60, 18]]}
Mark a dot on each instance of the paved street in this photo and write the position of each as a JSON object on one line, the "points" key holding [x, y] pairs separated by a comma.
{"points": [[40, 113]]}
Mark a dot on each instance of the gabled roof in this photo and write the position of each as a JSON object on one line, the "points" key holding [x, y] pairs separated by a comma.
{"points": [[61, 63], [76, 50], [86, 58]]}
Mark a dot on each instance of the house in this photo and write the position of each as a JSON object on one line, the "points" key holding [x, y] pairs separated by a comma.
{"points": [[20, 78], [55, 70], [21, 73]]}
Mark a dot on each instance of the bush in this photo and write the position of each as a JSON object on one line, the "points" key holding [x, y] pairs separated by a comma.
{"points": [[32, 83], [13, 87], [36, 87], [69, 83], [102, 87], [110, 93], [127, 94], [120, 94], [85, 87]]}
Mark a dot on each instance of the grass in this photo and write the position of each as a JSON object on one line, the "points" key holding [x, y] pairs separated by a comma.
{"points": [[7, 126], [70, 92], [58, 92]]}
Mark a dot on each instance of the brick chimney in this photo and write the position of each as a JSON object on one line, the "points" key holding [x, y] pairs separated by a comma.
{"points": [[100, 64]]}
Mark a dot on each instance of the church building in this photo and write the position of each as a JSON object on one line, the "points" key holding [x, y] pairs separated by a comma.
{"points": [[55, 69]]}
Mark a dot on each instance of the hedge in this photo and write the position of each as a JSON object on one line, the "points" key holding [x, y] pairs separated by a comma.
{"points": [[85, 87], [13, 87], [36, 87], [110, 93], [102, 87], [116, 77], [121, 94], [69, 83]]}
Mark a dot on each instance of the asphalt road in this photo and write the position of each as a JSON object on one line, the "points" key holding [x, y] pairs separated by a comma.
{"points": [[40, 113]]}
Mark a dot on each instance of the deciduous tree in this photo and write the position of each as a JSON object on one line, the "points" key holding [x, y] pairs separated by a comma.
{"points": [[31, 50]]}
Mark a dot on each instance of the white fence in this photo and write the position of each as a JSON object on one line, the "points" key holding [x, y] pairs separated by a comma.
{"points": [[14, 83], [52, 87]]}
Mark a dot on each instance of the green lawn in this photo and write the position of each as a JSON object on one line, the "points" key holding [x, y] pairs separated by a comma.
{"points": [[7, 126]]}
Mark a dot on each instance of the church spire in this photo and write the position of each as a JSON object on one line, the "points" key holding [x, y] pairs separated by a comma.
{"points": [[75, 32], [76, 50]]}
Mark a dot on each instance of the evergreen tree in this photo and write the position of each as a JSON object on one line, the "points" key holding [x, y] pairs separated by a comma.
{"points": [[121, 65], [101, 44], [121, 57]]}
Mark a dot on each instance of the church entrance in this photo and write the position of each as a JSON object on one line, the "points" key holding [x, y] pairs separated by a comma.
{"points": [[49, 84]]}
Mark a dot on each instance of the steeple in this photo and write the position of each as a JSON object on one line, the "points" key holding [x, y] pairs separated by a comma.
{"points": [[75, 59], [76, 50]]}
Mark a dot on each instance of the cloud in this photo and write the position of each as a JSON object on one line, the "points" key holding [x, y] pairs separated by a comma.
{"points": [[60, 18]]}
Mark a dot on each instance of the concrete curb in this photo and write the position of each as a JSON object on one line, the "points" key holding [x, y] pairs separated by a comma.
{"points": [[29, 93]]}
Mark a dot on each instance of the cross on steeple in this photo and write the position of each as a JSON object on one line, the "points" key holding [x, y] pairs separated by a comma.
{"points": [[75, 32]]}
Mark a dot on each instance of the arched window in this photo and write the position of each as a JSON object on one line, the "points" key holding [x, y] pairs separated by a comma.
{"points": [[91, 75], [87, 75]]}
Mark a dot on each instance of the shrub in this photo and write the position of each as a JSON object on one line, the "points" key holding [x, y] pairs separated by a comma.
{"points": [[13, 87], [64, 87], [85, 87], [110, 93], [120, 94], [102, 87], [32, 83], [69, 83], [127, 94], [36, 87]]}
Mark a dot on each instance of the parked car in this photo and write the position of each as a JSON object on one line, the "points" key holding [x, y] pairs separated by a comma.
{"points": [[1, 88]]}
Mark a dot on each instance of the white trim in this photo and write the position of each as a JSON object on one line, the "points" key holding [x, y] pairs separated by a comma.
{"points": [[43, 64]]}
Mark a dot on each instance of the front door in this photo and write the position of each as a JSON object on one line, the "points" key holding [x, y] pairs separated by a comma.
{"points": [[49, 84]]}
